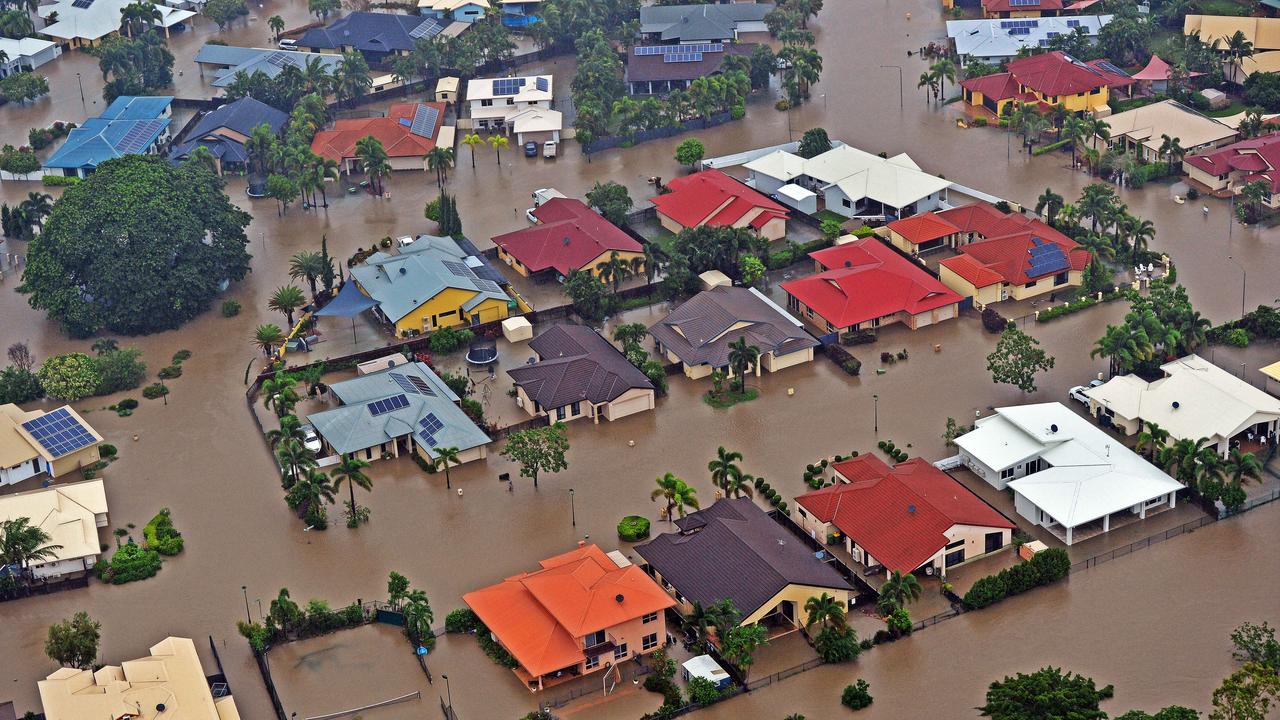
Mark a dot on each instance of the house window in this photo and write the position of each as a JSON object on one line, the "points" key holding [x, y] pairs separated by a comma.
{"points": [[955, 558], [593, 662], [1030, 285], [560, 413], [995, 541], [1060, 279], [651, 617], [486, 103], [575, 409], [845, 202], [620, 652], [956, 544], [1007, 473], [511, 101], [593, 639], [649, 642]]}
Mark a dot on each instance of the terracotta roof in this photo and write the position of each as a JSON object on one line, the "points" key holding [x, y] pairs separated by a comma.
{"points": [[868, 280], [539, 616], [970, 269], [902, 515], [576, 364], [1260, 155], [1050, 74], [393, 131], [700, 331], [997, 86], [568, 236], [922, 228], [733, 551], [1010, 255], [712, 198], [1007, 5], [980, 217]]}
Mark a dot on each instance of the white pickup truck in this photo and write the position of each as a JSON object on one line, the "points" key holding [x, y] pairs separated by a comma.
{"points": [[540, 196]]}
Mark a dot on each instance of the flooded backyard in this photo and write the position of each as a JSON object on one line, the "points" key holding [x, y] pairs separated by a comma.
{"points": [[1140, 622]]}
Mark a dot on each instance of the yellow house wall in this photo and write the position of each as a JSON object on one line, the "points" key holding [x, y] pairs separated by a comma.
{"points": [[464, 457], [983, 296], [669, 224], [450, 299], [512, 262], [797, 594], [628, 403], [1044, 285]]}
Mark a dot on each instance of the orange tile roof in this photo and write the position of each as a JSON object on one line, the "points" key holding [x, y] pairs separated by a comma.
{"points": [[922, 228], [392, 131], [540, 616], [968, 267]]}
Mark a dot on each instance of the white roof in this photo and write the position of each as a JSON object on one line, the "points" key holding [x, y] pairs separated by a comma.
{"points": [[704, 666], [1169, 117], [65, 512], [1212, 403], [992, 38], [1090, 475], [23, 47], [795, 192], [446, 5], [99, 19], [895, 181], [482, 89], [778, 164], [536, 119]]}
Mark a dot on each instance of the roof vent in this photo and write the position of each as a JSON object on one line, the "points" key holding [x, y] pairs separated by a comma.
{"points": [[618, 598], [1176, 404], [848, 263], [911, 509], [566, 240], [1053, 428], [160, 707], [404, 271]]}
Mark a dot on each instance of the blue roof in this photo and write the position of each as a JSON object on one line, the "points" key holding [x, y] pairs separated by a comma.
{"points": [[348, 303], [372, 32], [129, 125], [241, 116]]}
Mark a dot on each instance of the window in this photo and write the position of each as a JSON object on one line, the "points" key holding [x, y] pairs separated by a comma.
{"points": [[593, 662], [1007, 473], [651, 617], [560, 413], [955, 558], [845, 202], [620, 652], [593, 639], [1060, 279], [956, 544], [486, 103], [995, 541], [511, 101], [1030, 284], [649, 642], [575, 409]]}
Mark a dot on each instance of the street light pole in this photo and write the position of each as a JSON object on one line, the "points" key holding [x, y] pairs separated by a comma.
{"points": [[572, 509], [876, 412], [82, 102], [245, 589], [1244, 282], [901, 102], [448, 691]]}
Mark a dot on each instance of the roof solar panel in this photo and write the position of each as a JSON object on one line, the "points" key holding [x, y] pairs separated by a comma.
{"points": [[82, 4], [59, 433], [278, 59], [429, 27], [642, 50], [431, 423], [421, 385], [424, 121], [543, 84], [488, 285], [682, 57], [403, 382], [459, 269], [386, 405]]}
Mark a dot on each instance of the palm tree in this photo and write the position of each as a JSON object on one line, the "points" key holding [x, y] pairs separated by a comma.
{"points": [[136, 18], [1048, 204], [260, 147], [1097, 128], [278, 394], [897, 591], [1096, 202], [444, 458], [724, 467], [945, 70], [311, 489], [37, 207], [290, 429], [1141, 233], [307, 264], [655, 258], [1099, 245], [1073, 131], [739, 485], [1238, 48], [614, 270], [372, 157], [286, 300], [268, 337], [929, 82], [351, 78], [22, 543], [1152, 438], [350, 470], [677, 494], [697, 624], [294, 459], [276, 23], [471, 140], [323, 169], [498, 142], [316, 76], [439, 159], [629, 334], [742, 357], [1190, 461], [823, 610], [723, 616], [1240, 467]]}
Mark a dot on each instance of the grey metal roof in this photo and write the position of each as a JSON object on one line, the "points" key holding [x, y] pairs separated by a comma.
{"points": [[353, 426], [403, 282], [576, 364], [233, 60], [732, 550], [700, 331], [699, 22], [241, 117], [372, 32]]}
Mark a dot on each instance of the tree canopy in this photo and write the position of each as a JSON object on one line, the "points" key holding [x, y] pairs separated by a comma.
{"points": [[138, 247], [1045, 693], [1017, 359]]}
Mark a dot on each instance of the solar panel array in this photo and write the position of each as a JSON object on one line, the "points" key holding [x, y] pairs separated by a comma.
{"points": [[1011, 24], [430, 426], [430, 27], [421, 386], [1023, 3], [543, 84], [1046, 258], [59, 432], [457, 268], [412, 384], [682, 57], [1112, 68], [424, 121], [278, 59], [82, 4], [508, 86], [139, 136], [386, 405], [642, 50], [487, 285]]}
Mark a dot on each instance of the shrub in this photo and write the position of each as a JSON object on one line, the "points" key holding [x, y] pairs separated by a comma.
{"points": [[993, 322], [702, 691], [119, 369], [1052, 565], [633, 528], [1020, 578], [1193, 194], [1044, 149], [130, 563], [154, 391], [69, 377], [1237, 337], [836, 646], [775, 500], [447, 340], [127, 404], [899, 622], [160, 535], [782, 506], [979, 122], [888, 358], [866, 644], [170, 372], [107, 450], [230, 308], [58, 181], [461, 620], [19, 386], [496, 652], [782, 105], [759, 483], [858, 337], [856, 696], [181, 356], [985, 591]]}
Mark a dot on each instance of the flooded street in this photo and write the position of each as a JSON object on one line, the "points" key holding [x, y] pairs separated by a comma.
{"points": [[1140, 622]]}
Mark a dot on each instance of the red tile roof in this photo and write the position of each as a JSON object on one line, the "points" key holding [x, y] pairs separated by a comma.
{"points": [[997, 86], [1004, 253], [1260, 155], [1010, 255], [922, 228], [970, 269], [899, 515], [539, 616], [392, 131], [980, 217], [568, 236], [1007, 6], [868, 280], [712, 198], [1050, 74]]}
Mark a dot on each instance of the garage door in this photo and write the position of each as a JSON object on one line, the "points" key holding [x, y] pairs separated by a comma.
{"points": [[628, 407]]}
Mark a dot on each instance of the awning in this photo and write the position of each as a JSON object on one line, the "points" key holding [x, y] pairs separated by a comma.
{"points": [[349, 303], [1272, 371]]}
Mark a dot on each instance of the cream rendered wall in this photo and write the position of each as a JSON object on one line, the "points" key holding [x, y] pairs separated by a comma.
{"points": [[630, 402], [774, 363], [797, 594]]}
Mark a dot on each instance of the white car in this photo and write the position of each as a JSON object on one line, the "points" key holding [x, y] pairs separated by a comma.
{"points": [[1077, 393], [310, 440], [288, 44], [529, 216]]}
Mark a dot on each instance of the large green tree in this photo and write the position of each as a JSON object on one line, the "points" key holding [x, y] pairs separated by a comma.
{"points": [[1017, 359], [538, 450], [1046, 693], [138, 247], [74, 642]]}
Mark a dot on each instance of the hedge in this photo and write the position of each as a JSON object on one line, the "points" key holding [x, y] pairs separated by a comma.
{"points": [[462, 620], [633, 528], [844, 360], [1045, 149], [1076, 305], [58, 180], [1045, 567], [161, 536]]}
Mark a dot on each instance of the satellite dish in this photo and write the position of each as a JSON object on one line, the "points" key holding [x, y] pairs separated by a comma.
{"points": [[1176, 404]]}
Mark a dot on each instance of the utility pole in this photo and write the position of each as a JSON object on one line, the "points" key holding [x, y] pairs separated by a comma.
{"points": [[901, 102]]}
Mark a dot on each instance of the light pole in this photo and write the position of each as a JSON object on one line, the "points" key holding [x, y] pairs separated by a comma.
{"points": [[81, 86], [573, 511], [1244, 281], [899, 69], [245, 589], [259, 608], [876, 412], [448, 691]]}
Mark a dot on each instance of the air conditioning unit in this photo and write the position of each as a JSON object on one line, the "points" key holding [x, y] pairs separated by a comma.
{"points": [[519, 401]]}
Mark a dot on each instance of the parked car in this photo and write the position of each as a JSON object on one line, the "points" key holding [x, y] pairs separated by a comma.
{"points": [[288, 44], [405, 241], [1096, 383], [531, 149], [549, 149], [1077, 393], [310, 440]]}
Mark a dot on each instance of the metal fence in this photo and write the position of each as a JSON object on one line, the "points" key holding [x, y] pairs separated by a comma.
{"points": [[1144, 543], [783, 674], [1251, 504], [607, 143], [631, 672]]}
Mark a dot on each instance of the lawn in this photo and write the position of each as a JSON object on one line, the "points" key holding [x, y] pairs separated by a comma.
{"points": [[1224, 7], [826, 215], [729, 398], [1235, 108]]}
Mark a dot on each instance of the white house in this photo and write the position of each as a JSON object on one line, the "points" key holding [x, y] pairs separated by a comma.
{"points": [[466, 11], [87, 23], [71, 515], [1196, 399], [995, 40], [850, 182], [1067, 475], [494, 101], [25, 54]]}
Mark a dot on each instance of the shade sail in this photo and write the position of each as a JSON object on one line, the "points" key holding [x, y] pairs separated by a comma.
{"points": [[349, 303]]}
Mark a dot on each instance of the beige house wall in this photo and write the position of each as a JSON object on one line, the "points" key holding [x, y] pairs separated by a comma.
{"points": [[798, 595], [774, 363], [76, 460], [1204, 178], [1045, 285], [633, 401]]}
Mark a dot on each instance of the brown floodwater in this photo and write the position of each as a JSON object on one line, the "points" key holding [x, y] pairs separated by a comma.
{"points": [[201, 455]]}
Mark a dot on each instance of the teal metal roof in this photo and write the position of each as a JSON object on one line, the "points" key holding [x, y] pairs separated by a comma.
{"points": [[404, 282]]}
